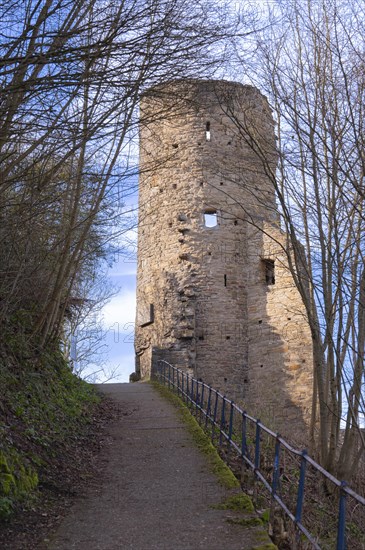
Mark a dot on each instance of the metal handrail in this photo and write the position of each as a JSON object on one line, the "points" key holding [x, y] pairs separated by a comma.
{"points": [[194, 392]]}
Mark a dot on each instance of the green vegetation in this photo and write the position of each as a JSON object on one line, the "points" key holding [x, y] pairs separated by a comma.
{"points": [[201, 440], [240, 502], [267, 546], [245, 522], [43, 405]]}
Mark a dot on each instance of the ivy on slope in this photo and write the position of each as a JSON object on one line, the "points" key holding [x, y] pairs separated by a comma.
{"points": [[42, 407]]}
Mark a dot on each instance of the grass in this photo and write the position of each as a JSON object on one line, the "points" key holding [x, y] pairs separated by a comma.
{"points": [[237, 503], [42, 406]]}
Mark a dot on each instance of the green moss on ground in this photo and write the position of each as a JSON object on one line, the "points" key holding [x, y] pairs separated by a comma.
{"points": [[202, 441], [238, 503], [15, 477], [42, 406], [267, 546], [245, 522]]}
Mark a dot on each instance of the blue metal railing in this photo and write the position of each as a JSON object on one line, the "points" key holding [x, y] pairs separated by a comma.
{"points": [[240, 431]]}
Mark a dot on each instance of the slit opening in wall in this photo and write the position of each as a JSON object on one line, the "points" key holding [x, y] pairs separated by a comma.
{"points": [[207, 131], [210, 217], [269, 271], [225, 280]]}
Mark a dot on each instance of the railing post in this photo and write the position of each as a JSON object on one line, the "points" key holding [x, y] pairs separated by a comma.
{"points": [[182, 385], [230, 425], [341, 531], [223, 420], [276, 473], [257, 445], [197, 399], [173, 378], [169, 376], [244, 435], [208, 406], [300, 497], [214, 420], [202, 402]]}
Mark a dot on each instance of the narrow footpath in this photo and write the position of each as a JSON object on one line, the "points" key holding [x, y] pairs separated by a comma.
{"points": [[155, 489]]}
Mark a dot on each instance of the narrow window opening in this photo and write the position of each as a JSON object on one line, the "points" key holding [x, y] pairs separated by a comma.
{"points": [[147, 316], [228, 337], [207, 131], [269, 271], [210, 218], [225, 280]]}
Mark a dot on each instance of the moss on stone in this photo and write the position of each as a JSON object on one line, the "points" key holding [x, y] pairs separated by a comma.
{"points": [[237, 503], [267, 546], [245, 522]]}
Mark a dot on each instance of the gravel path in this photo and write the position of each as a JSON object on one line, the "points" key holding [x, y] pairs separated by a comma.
{"points": [[155, 489]]}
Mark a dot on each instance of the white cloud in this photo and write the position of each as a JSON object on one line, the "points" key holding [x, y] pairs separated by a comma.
{"points": [[111, 371], [123, 269], [119, 314]]}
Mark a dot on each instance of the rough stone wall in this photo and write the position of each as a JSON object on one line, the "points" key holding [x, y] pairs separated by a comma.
{"points": [[203, 301], [280, 349]]}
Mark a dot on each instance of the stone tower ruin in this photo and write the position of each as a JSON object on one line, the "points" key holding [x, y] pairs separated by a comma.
{"points": [[214, 293]]}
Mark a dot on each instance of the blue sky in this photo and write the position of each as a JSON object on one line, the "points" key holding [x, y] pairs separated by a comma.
{"points": [[119, 318], [115, 324]]}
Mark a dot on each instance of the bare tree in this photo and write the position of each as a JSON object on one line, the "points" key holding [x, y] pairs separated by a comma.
{"points": [[310, 63], [71, 75]]}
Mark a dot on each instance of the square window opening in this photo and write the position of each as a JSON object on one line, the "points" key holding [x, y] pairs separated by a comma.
{"points": [[210, 218]]}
